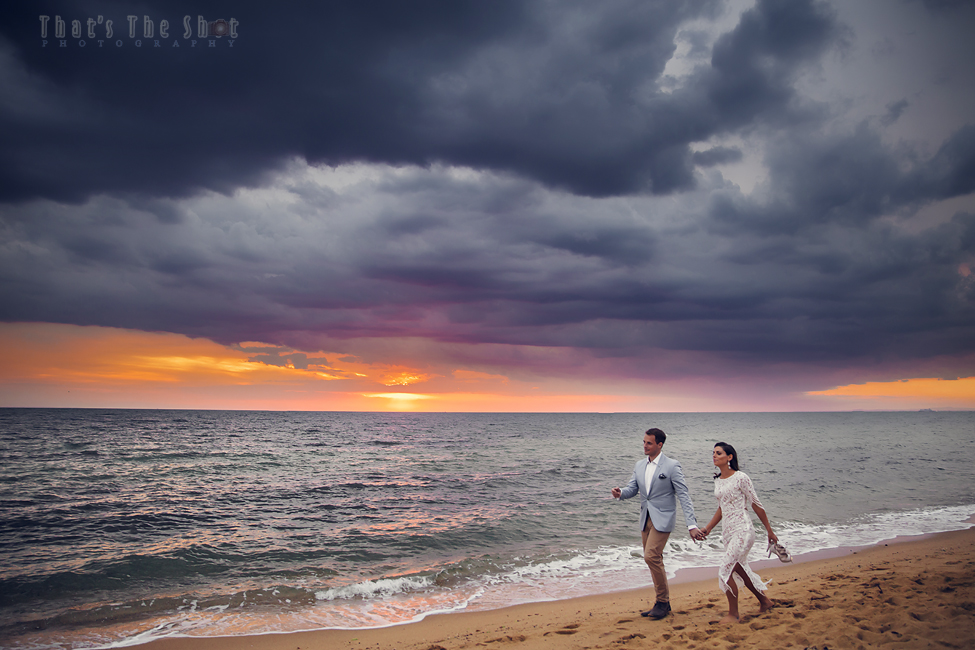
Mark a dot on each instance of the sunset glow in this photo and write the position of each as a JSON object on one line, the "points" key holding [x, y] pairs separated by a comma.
{"points": [[909, 393], [47, 365], [401, 397]]}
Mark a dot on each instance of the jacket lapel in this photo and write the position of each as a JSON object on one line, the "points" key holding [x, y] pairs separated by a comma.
{"points": [[660, 467]]}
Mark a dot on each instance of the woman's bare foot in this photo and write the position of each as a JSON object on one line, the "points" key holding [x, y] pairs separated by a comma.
{"points": [[765, 604], [729, 620]]}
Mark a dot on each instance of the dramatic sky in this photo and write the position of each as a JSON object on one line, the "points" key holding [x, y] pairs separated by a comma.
{"points": [[541, 205]]}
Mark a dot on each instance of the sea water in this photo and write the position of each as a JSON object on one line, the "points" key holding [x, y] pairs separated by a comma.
{"points": [[119, 526]]}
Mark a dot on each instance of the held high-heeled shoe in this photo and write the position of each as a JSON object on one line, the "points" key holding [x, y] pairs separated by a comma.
{"points": [[778, 549]]}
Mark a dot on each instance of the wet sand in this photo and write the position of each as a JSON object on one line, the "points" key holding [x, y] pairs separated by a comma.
{"points": [[916, 593]]}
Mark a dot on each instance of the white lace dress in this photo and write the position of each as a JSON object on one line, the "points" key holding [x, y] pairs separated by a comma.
{"points": [[735, 495]]}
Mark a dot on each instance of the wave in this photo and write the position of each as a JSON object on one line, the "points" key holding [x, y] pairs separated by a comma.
{"points": [[478, 583], [381, 588]]}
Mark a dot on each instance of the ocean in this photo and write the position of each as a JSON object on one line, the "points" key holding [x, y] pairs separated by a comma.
{"points": [[120, 526]]}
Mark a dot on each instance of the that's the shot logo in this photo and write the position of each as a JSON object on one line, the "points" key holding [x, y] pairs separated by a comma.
{"points": [[137, 31]]}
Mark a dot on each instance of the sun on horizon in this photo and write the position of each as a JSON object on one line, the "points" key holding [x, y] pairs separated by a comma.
{"points": [[50, 365]]}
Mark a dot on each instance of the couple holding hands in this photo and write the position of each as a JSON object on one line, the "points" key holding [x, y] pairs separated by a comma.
{"points": [[660, 482]]}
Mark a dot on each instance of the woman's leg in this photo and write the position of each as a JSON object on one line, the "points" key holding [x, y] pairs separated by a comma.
{"points": [[732, 594], [764, 602]]}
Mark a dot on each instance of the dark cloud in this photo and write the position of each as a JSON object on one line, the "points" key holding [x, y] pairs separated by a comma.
{"points": [[952, 171], [289, 359], [527, 180], [716, 156], [894, 112], [849, 177], [753, 67], [565, 93], [938, 6], [426, 254]]}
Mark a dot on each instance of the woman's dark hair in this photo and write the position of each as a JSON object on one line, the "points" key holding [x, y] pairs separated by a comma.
{"points": [[728, 449]]}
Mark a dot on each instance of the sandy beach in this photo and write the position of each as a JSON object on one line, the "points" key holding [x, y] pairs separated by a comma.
{"points": [[915, 593]]}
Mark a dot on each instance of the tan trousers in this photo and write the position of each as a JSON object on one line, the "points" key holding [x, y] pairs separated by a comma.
{"points": [[653, 554]]}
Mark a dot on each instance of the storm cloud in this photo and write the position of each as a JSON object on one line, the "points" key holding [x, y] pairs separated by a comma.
{"points": [[557, 92], [528, 174]]}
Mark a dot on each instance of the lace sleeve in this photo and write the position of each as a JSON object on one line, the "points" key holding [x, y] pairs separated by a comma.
{"points": [[746, 487]]}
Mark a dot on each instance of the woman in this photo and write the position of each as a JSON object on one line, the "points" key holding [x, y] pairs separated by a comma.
{"points": [[735, 493]]}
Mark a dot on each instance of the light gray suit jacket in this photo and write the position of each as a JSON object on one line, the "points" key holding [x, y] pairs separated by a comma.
{"points": [[667, 487]]}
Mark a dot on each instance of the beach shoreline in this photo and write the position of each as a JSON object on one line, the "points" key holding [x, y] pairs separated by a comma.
{"points": [[906, 592]]}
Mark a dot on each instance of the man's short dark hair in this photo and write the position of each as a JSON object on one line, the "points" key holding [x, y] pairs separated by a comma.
{"points": [[658, 435]]}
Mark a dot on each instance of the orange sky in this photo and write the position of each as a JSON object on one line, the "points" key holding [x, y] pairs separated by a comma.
{"points": [[63, 365], [907, 393], [71, 366]]}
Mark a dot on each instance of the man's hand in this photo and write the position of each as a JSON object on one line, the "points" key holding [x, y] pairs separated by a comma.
{"points": [[698, 535], [617, 493]]}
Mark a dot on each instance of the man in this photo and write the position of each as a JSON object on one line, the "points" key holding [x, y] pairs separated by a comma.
{"points": [[660, 483]]}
